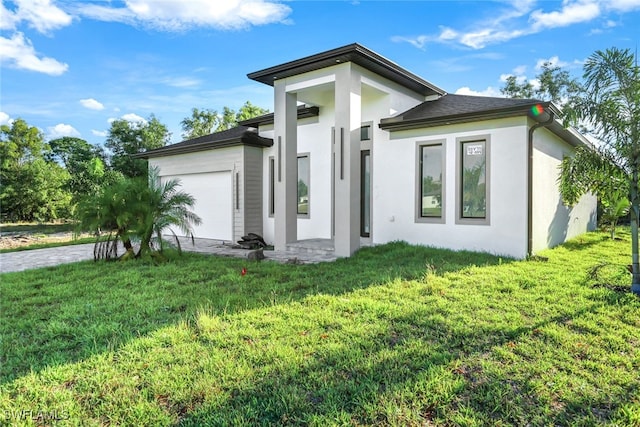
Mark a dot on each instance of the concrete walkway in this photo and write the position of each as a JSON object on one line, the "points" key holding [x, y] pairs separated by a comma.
{"points": [[37, 258]]}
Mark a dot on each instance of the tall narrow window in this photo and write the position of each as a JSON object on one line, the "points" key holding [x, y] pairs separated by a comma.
{"points": [[303, 184], [430, 194], [473, 179], [272, 182], [365, 193], [365, 133]]}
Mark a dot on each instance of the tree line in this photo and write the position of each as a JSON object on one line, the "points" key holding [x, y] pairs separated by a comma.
{"points": [[45, 180]]}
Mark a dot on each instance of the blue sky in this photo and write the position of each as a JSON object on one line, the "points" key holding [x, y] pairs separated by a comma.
{"points": [[70, 67]]}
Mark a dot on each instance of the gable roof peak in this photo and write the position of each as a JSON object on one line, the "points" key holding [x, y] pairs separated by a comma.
{"points": [[355, 53]]}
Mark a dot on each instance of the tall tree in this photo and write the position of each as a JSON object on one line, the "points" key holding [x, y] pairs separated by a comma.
{"points": [[249, 111], [127, 138], [205, 122], [610, 106], [552, 84], [32, 187], [201, 123], [227, 119], [85, 163], [515, 87], [230, 118]]}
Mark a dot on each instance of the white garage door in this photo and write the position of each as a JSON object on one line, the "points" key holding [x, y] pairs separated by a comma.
{"points": [[212, 191]]}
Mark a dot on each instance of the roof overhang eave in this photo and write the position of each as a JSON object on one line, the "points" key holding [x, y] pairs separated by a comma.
{"points": [[355, 53], [267, 119], [397, 123], [252, 141], [569, 134]]}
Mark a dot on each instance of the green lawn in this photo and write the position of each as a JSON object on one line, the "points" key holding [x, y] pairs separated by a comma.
{"points": [[396, 335]]}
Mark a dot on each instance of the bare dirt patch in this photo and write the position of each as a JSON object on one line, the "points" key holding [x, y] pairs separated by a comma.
{"points": [[20, 239]]}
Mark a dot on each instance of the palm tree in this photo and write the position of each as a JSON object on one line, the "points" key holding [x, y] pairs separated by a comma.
{"points": [[611, 106], [109, 210], [165, 207], [137, 208]]}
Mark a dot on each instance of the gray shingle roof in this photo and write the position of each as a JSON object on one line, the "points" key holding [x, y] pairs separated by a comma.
{"points": [[453, 105], [459, 108], [240, 135], [450, 109]]}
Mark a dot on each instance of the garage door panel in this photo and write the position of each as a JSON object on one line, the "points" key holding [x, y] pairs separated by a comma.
{"points": [[213, 194]]}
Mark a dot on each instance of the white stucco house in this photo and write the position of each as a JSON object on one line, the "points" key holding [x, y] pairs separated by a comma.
{"points": [[361, 151]]}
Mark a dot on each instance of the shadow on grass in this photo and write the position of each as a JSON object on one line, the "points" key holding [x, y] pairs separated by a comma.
{"points": [[63, 314], [421, 370], [582, 244]]}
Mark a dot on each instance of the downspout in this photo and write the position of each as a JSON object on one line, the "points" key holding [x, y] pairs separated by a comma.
{"points": [[530, 178]]}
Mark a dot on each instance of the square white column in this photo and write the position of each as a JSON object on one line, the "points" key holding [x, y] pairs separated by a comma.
{"points": [[348, 119], [286, 163]]}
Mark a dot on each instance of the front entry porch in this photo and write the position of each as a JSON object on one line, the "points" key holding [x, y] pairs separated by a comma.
{"points": [[312, 246]]}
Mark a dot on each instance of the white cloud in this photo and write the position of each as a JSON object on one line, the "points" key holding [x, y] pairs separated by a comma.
{"points": [[19, 53], [179, 15], [41, 15], [485, 32], [554, 61], [447, 34], [489, 91], [520, 70], [520, 78], [535, 84], [105, 14], [8, 19], [91, 104], [182, 82], [418, 42], [102, 133], [622, 5], [133, 118], [572, 12], [484, 37], [60, 130], [519, 19], [5, 119]]}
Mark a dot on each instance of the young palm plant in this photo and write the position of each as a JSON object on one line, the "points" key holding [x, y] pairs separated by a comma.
{"points": [[166, 208], [109, 210], [614, 208], [137, 209]]}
